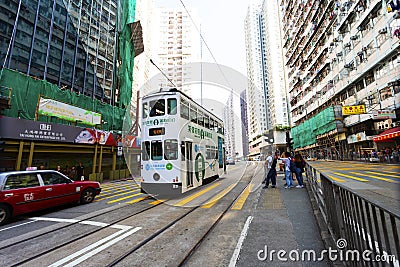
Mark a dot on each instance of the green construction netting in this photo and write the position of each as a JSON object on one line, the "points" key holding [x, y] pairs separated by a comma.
{"points": [[126, 52], [26, 92], [306, 133]]}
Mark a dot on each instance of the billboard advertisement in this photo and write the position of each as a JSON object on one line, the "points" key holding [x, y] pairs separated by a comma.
{"points": [[53, 108]]}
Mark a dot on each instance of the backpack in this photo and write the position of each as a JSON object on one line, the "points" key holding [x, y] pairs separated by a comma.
{"points": [[292, 165]]}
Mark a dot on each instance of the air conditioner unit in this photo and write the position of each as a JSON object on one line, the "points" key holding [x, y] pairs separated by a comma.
{"points": [[348, 66], [383, 31], [339, 54], [364, 48], [397, 15], [360, 53], [361, 28], [347, 45], [354, 37], [336, 39]]}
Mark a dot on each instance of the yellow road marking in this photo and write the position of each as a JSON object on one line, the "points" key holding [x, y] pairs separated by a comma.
{"points": [[395, 176], [111, 190], [351, 177], [122, 198], [376, 177], [218, 197], [158, 201], [242, 198], [116, 195], [136, 200], [336, 179], [190, 198]]}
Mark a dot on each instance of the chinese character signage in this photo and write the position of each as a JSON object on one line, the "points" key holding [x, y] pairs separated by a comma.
{"points": [[384, 114], [53, 108], [353, 110]]}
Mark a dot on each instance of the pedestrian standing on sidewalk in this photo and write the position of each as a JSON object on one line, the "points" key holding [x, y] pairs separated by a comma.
{"points": [[72, 173], [300, 164], [271, 174], [268, 163], [288, 173], [80, 172]]}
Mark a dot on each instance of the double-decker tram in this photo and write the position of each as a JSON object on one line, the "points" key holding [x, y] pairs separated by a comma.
{"points": [[182, 144]]}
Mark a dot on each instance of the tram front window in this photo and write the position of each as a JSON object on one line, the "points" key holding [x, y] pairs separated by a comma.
{"points": [[157, 108], [156, 150], [171, 106], [146, 150], [171, 149]]}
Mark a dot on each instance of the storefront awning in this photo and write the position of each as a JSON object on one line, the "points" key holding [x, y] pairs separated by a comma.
{"points": [[388, 135]]}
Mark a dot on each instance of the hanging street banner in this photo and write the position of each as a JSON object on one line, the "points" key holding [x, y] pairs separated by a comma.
{"points": [[53, 108], [353, 110]]}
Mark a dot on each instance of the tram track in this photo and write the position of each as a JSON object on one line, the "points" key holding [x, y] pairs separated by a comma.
{"points": [[49, 248], [75, 239], [170, 225]]}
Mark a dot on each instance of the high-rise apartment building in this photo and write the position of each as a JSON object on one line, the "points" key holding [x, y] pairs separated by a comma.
{"points": [[69, 43], [257, 90], [175, 44], [273, 64], [342, 55], [244, 125], [229, 126]]}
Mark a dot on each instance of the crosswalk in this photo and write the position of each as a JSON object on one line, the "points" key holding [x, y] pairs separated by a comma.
{"points": [[128, 192]]}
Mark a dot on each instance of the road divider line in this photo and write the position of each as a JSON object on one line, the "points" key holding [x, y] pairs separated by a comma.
{"points": [[351, 177], [335, 179], [239, 244], [8, 228], [382, 173], [190, 198], [218, 197], [375, 177], [95, 248], [123, 198], [116, 195], [137, 200], [242, 198]]}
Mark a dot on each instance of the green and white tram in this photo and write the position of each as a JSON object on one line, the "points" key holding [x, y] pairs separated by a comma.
{"points": [[182, 144]]}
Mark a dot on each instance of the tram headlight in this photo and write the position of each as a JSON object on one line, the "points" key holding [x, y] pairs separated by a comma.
{"points": [[156, 176]]}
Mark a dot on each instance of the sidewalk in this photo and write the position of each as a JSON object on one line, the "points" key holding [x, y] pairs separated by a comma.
{"points": [[282, 220]]}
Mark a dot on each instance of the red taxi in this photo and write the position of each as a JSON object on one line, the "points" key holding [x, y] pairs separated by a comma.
{"points": [[27, 191]]}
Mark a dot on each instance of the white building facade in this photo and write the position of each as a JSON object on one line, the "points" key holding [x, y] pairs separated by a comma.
{"points": [[175, 44], [258, 117]]}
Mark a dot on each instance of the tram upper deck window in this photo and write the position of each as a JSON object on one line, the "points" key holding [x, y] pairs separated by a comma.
{"points": [[193, 115], [157, 108], [145, 109], [171, 106], [171, 149], [146, 150], [184, 109], [206, 122], [156, 150], [200, 118]]}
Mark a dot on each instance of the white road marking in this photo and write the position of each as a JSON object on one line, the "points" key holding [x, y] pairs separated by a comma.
{"points": [[16, 226], [239, 244], [100, 224], [109, 241]]}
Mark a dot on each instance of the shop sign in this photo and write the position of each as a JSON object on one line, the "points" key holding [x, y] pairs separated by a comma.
{"points": [[384, 114], [358, 137], [53, 108], [353, 110]]}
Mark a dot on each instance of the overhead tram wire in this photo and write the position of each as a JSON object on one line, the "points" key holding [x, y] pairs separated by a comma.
{"points": [[152, 62], [208, 48]]}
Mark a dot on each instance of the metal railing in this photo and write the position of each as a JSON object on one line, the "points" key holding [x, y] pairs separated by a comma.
{"points": [[365, 231]]}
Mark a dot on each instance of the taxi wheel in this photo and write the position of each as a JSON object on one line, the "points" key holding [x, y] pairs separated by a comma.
{"points": [[87, 196], [5, 214]]}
